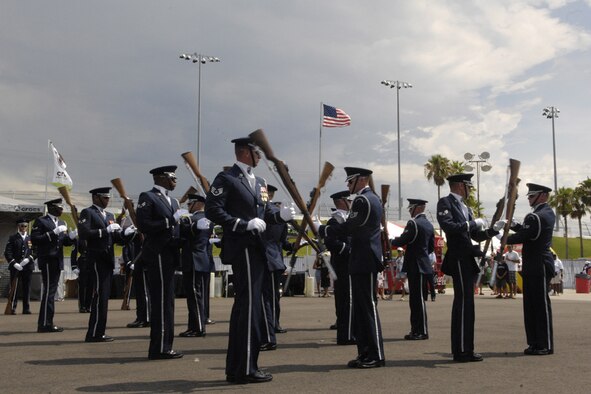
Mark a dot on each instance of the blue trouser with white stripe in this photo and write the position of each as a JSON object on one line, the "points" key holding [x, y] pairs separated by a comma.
{"points": [[462, 311], [418, 311], [368, 330], [161, 287], [537, 313], [50, 275], [101, 267], [246, 320]]}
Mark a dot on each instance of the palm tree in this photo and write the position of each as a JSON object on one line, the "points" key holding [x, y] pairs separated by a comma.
{"points": [[456, 167], [437, 169], [579, 210], [562, 201]]}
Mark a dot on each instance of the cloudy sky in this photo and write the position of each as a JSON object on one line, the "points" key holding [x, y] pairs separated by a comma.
{"points": [[104, 81]]}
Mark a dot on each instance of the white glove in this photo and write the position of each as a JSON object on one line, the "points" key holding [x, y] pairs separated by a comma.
{"points": [[132, 267], [203, 224], [76, 271], [339, 215], [432, 257], [514, 223], [256, 224], [499, 236], [60, 229], [73, 234], [499, 224], [113, 227], [317, 223], [326, 255], [287, 212], [129, 230], [480, 223], [25, 261], [18, 267], [177, 215], [214, 241]]}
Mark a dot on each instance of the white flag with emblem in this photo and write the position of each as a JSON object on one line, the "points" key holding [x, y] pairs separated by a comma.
{"points": [[60, 175]]}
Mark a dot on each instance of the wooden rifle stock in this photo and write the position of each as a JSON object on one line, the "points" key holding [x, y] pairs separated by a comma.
{"points": [[127, 202], [511, 198], [261, 141], [185, 197], [11, 295], [192, 165], [66, 195], [315, 195], [127, 292]]}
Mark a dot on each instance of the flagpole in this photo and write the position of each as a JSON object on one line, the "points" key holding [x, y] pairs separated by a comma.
{"points": [[320, 141], [47, 167]]}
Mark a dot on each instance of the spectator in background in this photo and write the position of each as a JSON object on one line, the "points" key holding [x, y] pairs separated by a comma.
{"points": [[556, 282], [512, 259], [400, 275], [501, 279]]}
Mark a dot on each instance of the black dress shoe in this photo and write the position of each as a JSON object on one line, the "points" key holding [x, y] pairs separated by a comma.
{"points": [[49, 329], [542, 352], [529, 351], [12, 312], [209, 321], [102, 338], [191, 333], [354, 363], [135, 324], [27, 312], [268, 346], [415, 337], [165, 356], [257, 377], [333, 327], [467, 357], [280, 330], [371, 363]]}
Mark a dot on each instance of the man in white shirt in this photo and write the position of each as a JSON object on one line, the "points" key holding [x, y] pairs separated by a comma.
{"points": [[556, 282], [512, 259]]}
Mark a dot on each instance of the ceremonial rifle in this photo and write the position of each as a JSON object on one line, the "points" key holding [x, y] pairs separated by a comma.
{"points": [[200, 180], [314, 196], [128, 203], [185, 197], [66, 195], [261, 141], [495, 218], [386, 245], [11, 295], [508, 208]]}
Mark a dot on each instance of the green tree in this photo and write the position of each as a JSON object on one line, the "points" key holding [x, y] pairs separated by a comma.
{"points": [[562, 201], [456, 167], [581, 205], [437, 169]]}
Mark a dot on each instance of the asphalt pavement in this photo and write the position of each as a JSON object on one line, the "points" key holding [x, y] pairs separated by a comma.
{"points": [[307, 358]]}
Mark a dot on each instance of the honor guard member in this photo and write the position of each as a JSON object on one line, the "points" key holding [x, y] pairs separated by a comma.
{"points": [[97, 228], [419, 238], [460, 227], [83, 271], [19, 255], [363, 225], [49, 235], [340, 248], [130, 254], [157, 216], [538, 269], [196, 264], [237, 200], [275, 237]]}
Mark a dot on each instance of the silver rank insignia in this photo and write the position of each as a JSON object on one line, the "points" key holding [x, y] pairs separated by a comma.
{"points": [[443, 213], [215, 191], [264, 194]]}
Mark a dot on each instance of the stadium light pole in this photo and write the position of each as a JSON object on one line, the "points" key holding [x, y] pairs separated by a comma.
{"points": [[481, 164], [551, 113], [398, 85], [199, 59]]}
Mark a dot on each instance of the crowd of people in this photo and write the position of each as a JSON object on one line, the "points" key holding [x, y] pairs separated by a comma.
{"points": [[160, 238]]}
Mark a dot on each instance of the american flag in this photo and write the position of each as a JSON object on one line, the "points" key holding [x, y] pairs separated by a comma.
{"points": [[334, 117]]}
